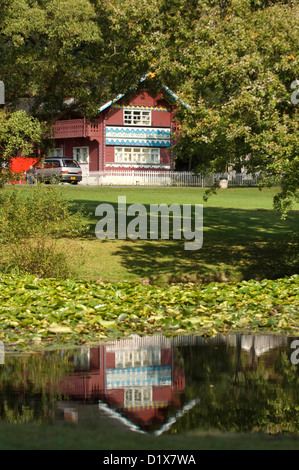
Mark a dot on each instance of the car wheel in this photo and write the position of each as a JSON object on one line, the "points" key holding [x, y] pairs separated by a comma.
{"points": [[55, 180]]}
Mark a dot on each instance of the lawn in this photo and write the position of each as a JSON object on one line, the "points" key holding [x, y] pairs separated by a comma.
{"points": [[244, 238], [72, 437]]}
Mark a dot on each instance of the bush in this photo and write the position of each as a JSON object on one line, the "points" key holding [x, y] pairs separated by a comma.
{"points": [[37, 256], [31, 219], [25, 212]]}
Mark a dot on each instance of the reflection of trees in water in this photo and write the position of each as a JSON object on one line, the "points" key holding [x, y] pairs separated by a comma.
{"points": [[250, 348], [239, 366], [245, 383], [29, 385]]}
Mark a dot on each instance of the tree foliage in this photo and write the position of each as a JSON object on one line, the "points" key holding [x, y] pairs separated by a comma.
{"points": [[52, 50], [233, 61], [18, 133]]}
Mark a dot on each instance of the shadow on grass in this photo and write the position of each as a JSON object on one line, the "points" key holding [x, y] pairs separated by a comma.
{"points": [[237, 244]]}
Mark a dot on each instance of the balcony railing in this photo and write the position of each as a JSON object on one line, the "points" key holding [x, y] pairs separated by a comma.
{"points": [[75, 128]]}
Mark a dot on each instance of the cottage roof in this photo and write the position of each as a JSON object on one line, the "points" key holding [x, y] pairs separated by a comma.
{"points": [[133, 427], [172, 98]]}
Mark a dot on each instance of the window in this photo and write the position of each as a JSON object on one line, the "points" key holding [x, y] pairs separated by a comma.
{"points": [[56, 152], [137, 155], [81, 154], [137, 117], [138, 358], [82, 359], [138, 397], [70, 163], [52, 164]]}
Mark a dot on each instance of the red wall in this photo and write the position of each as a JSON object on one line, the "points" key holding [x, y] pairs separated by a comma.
{"points": [[68, 144], [114, 117]]}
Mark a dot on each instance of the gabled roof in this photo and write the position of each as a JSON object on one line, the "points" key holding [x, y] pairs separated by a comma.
{"points": [[172, 98], [114, 414]]}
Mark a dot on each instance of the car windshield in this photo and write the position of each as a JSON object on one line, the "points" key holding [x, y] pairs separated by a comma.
{"points": [[70, 163]]}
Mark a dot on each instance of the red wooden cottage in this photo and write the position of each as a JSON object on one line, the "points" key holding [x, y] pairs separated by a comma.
{"points": [[133, 132], [135, 381]]}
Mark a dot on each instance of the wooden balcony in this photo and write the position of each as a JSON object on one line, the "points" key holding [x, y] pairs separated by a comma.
{"points": [[75, 128]]}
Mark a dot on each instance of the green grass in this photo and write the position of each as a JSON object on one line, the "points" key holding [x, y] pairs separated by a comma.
{"points": [[244, 238], [241, 198], [75, 437]]}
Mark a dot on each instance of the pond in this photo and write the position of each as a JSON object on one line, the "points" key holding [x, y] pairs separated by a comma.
{"points": [[158, 385]]}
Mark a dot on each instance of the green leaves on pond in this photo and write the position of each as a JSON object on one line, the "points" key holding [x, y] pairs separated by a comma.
{"points": [[46, 311]]}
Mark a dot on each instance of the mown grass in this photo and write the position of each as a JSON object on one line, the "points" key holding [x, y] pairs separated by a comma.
{"points": [[66, 436], [244, 238]]}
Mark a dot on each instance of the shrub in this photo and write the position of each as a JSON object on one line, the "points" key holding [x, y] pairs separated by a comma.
{"points": [[25, 212], [37, 256], [30, 221]]}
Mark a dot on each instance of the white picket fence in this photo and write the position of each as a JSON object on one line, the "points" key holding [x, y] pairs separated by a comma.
{"points": [[166, 178]]}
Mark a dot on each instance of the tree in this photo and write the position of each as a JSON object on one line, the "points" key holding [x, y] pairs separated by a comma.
{"points": [[18, 134], [57, 49], [234, 62], [52, 50]]}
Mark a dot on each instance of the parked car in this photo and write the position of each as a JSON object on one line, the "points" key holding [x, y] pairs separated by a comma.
{"points": [[55, 170]]}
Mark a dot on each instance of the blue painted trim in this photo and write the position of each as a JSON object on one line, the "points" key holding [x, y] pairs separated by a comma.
{"points": [[138, 143]]}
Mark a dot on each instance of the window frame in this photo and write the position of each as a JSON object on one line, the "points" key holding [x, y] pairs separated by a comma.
{"points": [[130, 117], [85, 147], [137, 358], [56, 153], [129, 155], [138, 396]]}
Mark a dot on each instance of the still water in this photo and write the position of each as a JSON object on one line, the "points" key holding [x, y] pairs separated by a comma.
{"points": [[158, 385]]}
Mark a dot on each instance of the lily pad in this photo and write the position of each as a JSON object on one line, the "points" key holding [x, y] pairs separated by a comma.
{"points": [[59, 329]]}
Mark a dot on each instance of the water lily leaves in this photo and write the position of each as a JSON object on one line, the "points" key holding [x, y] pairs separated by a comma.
{"points": [[55, 328], [76, 311], [108, 323]]}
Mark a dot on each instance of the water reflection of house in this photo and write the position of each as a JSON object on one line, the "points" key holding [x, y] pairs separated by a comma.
{"points": [[139, 383], [137, 379]]}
